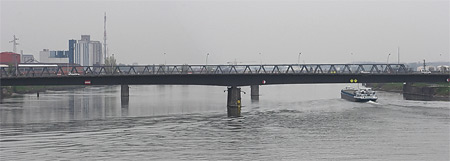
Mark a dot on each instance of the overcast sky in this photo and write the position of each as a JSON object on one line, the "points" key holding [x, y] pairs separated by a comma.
{"points": [[323, 31]]}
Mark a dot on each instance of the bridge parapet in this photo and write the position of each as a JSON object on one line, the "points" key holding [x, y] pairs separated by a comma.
{"points": [[42, 70]]}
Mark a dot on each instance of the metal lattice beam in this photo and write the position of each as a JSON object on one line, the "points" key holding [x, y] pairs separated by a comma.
{"points": [[51, 71]]}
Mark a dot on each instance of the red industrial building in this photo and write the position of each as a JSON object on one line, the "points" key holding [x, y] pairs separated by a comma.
{"points": [[9, 58]]}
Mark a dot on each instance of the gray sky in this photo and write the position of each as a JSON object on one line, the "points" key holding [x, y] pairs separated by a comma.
{"points": [[324, 31]]}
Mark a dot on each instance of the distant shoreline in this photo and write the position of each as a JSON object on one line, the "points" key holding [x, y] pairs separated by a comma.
{"points": [[416, 91], [387, 87], [10, 91]]}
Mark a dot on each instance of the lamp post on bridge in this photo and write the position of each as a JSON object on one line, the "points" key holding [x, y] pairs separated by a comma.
{"points": [[298, 60], [353, 61], [260, 58], [207, 58], [165, 62], [387, 62]]}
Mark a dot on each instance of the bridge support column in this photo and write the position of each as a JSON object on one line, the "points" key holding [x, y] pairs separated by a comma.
{"points": [[124, 90], [254, 92], [124, 97], [124, 102], [234, 102]]}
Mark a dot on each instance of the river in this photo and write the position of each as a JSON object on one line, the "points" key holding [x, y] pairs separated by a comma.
{"points": [[288, 122]]}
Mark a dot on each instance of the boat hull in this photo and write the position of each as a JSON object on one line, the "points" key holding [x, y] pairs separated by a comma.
{"points": [[352, 98]]}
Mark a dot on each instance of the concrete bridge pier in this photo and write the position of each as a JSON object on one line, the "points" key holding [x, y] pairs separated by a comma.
{"points": [[254, 92], [234, 102], [124, 102], [124, 90], [124, 95]]}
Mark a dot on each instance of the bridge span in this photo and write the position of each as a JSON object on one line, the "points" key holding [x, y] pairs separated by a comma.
{"points": [[232, 76]]}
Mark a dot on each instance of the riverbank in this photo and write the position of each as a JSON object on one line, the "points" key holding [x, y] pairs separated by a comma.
{"points": [[416, 91], [387, 87], [10, 91]]}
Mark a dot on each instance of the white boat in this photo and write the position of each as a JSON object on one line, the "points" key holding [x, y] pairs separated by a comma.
{"points": [[358, 95]]}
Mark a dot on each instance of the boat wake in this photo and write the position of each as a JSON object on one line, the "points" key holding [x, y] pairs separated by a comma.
{"points": [[372, 102]]}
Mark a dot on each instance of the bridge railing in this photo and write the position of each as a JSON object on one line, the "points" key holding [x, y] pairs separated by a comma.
{"points": [[30, 70]]}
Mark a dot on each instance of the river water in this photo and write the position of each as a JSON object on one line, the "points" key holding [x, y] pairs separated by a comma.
{"points": [[288, 122]]}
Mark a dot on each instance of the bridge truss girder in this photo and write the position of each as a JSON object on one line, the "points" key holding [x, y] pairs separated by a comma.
{"points": [[44, 71]]}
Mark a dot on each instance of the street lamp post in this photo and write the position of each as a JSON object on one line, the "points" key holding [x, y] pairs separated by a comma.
{"points": [[166, 68], [353, 61], [260, 58], [165, 62], [207, 58], [298, 60], [387, 62]]}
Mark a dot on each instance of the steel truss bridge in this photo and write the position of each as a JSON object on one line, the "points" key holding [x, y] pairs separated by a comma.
{"points": [[222, 75], [55, 70]]}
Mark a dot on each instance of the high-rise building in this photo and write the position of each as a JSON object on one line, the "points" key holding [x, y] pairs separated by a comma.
{"points": [[71, 51], [81, 55], [95, 48], [87, 52]]}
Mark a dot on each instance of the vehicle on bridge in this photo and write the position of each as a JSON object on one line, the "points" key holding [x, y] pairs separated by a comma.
{"points": [[424, 71], [358, 95], [73, 74]]}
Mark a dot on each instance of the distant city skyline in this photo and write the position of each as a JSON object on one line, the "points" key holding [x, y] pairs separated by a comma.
{"points": [[323, 31]]}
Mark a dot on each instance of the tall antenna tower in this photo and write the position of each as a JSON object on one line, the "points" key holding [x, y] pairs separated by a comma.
{"points": [[14, 41], [104, 38]]}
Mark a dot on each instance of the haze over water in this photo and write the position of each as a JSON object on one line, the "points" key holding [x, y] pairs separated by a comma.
{"points": [[289, 122]]}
